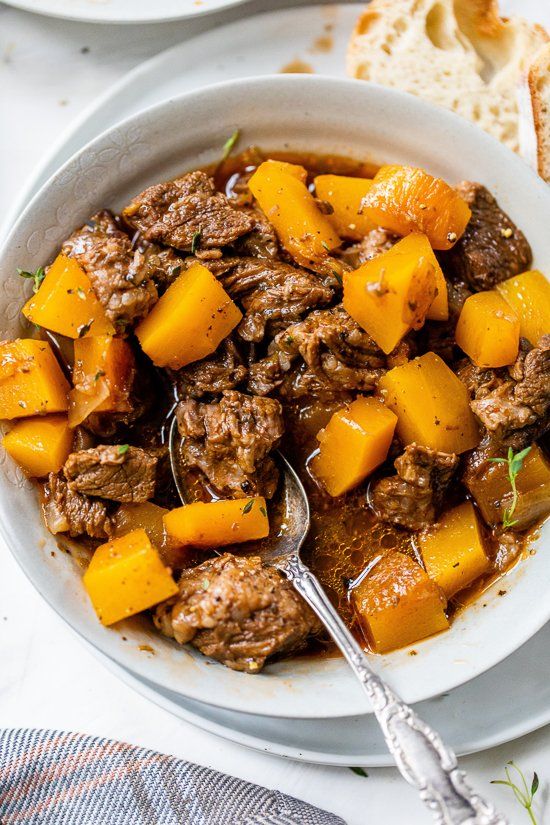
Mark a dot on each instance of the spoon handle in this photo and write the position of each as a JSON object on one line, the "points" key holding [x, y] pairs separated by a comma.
{"points": [[419, 753]]}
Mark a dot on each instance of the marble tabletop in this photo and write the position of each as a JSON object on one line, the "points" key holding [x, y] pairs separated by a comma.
{"points": [[49, 71]]}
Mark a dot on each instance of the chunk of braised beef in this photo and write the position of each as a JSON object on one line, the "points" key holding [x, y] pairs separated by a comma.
{"points": [[336, 350], [223, 370], [162, 265], [237, 611], [516, 412], [413, 496], [116, 472], [68, 511], [374, 243], [492, 248], [117, 272], [230, 441], [273, 294], [187, 213], [261, 241]]}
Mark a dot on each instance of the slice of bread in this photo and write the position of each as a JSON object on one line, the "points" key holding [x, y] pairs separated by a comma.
{"points": [[457, 53], [539, 89]]}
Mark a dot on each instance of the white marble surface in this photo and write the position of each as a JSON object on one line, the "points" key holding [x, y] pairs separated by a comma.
{"points": [[49, 71]]}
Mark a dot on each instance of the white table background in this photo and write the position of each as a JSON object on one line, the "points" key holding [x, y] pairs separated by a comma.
{"points": [[49, 71]]}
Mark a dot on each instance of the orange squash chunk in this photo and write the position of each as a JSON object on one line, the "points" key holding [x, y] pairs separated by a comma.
{"points": [[405, 199], [31, 380], [392, 293], [66, 303], [431, 404], [40, 445], [104, 369], [216, 523], [345, 195], [396, 603], [303, 230], [490, 486], [293, 169], [189, 321], [529, 296], [355, 441], [488, 330], [452, 550], [126, 576], [149, 517]]}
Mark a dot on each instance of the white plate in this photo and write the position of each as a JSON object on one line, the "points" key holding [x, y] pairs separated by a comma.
{"points": [[241, 49], [122, 11], [256, 45], [157, 144], [480, 715]]}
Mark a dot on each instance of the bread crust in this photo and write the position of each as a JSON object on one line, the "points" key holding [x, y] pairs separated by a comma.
{"points": [[538, 80], [459, 54]]}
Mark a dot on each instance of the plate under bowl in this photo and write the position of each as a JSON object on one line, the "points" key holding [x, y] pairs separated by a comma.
{"points": [[300, 113]]}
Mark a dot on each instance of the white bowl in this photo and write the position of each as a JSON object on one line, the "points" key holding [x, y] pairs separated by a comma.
{"points": [[284, 112]]}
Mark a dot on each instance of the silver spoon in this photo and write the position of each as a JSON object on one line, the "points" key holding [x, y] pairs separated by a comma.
{"points": [[420, 755]]}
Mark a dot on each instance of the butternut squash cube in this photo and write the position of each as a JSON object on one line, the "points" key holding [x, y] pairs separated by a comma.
{"points": [[31, 380], [104, 370], [529, 296], [452, 550], [396, 603], [405, 199], [293, 169], [431, 404], [149, 517], [189, 320], [355, 441], [488, 330], [126, 576], [66, 303], [489, 484], [216, 523], [40, 445], [345, 195], [391, 294], [303, 230]]}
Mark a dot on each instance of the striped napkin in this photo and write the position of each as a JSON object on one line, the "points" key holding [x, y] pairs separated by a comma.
{"points": [[54, 778]]}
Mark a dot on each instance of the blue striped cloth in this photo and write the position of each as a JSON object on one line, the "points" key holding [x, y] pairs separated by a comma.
{"points": [[54, 778]]}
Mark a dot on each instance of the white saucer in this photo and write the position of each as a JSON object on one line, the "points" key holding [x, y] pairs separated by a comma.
{"points": [[478, 715], [482, 714], [122, 11]]}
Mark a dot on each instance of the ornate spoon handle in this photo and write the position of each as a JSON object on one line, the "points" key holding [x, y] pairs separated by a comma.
{"points": [[422, 758]]}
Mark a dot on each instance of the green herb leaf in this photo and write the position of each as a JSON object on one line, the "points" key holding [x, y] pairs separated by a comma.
{"points": [[515, 463], [358, 771], [81, 294], [229, 144], [37, 276], [325, 245], [123, 448], [195, 241], [263, 511], [99, 374], [521, 791], [248, 506]]}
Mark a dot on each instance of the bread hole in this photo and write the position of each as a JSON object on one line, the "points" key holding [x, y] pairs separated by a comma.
{"points": [[440, 28], [385, 48]]}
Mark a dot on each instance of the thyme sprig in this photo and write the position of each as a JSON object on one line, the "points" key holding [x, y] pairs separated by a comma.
{"points": [[515, 463], [229, 144], [37, 276], [523, 793]]}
